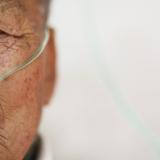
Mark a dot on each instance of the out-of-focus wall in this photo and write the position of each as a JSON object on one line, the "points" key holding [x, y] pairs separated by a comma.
{"points": [[105, 47]]}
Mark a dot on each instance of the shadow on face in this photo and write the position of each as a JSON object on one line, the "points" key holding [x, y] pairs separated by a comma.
{"points": [[23, 94]]}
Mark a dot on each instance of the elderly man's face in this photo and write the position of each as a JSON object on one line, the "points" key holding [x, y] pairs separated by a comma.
{"points": [[23, 94]]}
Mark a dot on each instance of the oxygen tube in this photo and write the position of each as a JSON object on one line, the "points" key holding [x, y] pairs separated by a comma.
{"points": [[28, 61], [130, 115]]}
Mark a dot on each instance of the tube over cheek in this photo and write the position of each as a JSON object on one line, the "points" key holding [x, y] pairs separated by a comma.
{"points": [[22, 108], [15, 50]]}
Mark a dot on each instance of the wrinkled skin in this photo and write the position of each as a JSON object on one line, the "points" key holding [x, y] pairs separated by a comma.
{"points": [[23, 95]]}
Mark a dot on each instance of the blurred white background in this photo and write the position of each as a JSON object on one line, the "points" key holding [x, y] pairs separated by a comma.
{"points": [[84, 120]]}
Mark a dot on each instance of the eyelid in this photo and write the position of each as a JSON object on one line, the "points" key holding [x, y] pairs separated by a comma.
{"points": [[15, 29], [31, 59]]}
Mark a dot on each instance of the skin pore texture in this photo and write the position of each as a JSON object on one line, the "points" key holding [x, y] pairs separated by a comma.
{"points": [[24, 94]]}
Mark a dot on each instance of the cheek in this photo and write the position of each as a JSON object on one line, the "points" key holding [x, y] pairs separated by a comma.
{"points": [[20, 107], [21, 92], [24, 88]]}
